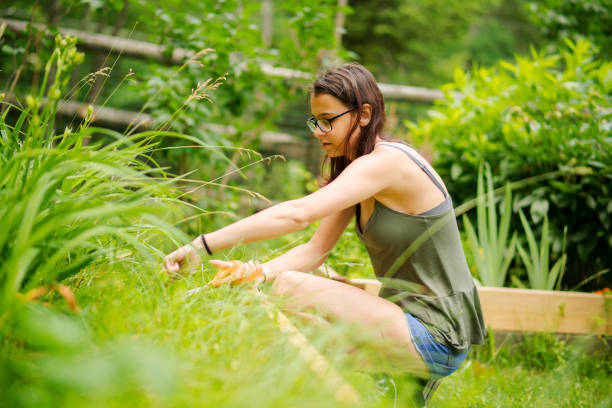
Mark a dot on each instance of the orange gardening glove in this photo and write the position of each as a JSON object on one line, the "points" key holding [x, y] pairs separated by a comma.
{"points": [[236, 272]]}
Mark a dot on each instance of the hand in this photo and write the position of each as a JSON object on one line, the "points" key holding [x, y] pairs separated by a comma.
{"points": [[236, 272], [186, 255]]}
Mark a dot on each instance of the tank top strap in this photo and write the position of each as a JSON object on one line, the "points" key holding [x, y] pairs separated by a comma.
{"points": [[421, 165]]}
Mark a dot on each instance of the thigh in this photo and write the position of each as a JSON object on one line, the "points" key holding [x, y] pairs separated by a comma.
{"points": [[383, 320]]}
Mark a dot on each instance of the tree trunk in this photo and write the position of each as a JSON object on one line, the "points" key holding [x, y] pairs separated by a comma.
{"points": [[339, 23], [267, 21]]}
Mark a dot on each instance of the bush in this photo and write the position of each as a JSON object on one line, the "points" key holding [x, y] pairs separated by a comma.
{"points": [[591, 19], [547, 113], [65, 204]]}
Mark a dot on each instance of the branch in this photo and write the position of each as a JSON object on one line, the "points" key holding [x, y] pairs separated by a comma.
{"points": [[145, 49]]}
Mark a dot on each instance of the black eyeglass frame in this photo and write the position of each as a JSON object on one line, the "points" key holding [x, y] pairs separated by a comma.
{"points": [[311, 121]]}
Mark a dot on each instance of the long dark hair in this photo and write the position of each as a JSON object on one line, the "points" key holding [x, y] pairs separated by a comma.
{"points": [[354, 86]]}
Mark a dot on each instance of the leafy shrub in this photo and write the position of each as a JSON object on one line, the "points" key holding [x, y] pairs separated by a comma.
{"points": [[571, 18], [547, 113]]}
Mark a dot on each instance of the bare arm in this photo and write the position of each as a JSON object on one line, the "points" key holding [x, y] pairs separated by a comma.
{"points": [[312, 254], [362, 179]]}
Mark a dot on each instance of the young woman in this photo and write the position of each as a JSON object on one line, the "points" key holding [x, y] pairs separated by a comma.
{"points": [[404, 216]]}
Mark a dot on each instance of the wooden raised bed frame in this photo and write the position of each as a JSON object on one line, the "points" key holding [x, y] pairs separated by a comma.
{"points": [[529, 310]]}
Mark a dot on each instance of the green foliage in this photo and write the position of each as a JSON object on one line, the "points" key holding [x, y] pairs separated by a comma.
{"points": [[217, 347], [537, 260], [423, 36], [226, 38], [349, 257], [532, 369], [500, 33], [543, 351], [550, 112], [305, 33], [490, 248], [493, 42], [70, 369], [560, 19], [65, 204]]}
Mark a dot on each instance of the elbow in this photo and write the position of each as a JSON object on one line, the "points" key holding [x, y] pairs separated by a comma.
{"points": [[298, 214]]}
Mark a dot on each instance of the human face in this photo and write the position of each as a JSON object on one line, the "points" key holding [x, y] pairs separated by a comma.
{"points": [[325, 106]]}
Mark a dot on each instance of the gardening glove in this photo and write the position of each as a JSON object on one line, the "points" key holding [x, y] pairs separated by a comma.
{"points": [[236, 272]]}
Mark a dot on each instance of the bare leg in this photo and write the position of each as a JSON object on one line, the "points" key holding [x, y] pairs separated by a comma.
{"points": [[308, 318], [337, 301]]}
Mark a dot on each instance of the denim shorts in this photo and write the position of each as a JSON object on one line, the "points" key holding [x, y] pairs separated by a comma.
{"points": [[440, 359]]}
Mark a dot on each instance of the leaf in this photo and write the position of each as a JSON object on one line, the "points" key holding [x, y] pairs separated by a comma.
{"points": [[517, 282], [508, 66], [436, 114], [456, 171], [533, 257], [528, 266], [554, 272], [538, 209], [591, 203]]}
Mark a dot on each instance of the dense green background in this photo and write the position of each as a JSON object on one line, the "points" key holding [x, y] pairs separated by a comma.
{"points": [[95, 206]]}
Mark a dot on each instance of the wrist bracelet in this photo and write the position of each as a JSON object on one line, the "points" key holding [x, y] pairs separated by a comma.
{"points": [[208, 251]]}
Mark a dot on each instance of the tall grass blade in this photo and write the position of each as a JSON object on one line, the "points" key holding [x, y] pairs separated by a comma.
{"points": [[490, 248], [537, 260]]}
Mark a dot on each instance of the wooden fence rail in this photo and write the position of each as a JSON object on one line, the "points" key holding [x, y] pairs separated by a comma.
{"points": [[283, 143], [144, 49]]}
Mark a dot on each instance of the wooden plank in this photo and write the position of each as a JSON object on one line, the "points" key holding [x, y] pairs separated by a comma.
{"points": [[508, 309], [369, 285], [283, 143], [511, 309], [135, 48]]}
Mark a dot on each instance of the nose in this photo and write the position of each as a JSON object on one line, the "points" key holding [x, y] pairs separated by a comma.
{"points": [[318, 133]]}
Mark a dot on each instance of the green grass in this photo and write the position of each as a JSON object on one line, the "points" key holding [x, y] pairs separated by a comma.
{"points": [[477, 385], [223, 348], [138, 341], [94, 217]]}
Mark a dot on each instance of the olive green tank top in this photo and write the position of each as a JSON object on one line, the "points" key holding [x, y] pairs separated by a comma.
{"points": [[420, 261]]}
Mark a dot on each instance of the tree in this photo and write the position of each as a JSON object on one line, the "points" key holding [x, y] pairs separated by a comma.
{"points": [[572, 18], [411, 42]]}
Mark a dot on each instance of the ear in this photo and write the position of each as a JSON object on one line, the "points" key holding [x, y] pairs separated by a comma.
{"points": [[365, 115]]}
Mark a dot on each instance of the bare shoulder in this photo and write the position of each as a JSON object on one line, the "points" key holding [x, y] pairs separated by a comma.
{"points": [[400, 150], [393, 154], [412, 167], [379, 159], [389, 152], [395, 148], [384, 163]]}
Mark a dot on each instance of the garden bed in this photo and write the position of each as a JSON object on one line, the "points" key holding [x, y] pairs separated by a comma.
{"points": [[508, 309], [528, 310]]}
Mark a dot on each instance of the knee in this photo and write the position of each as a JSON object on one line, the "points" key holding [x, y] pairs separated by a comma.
{"points": [[286, 283]]}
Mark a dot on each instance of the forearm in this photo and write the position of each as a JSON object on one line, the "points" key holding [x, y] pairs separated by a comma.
{"points": [[302, 258], [270, 223]]}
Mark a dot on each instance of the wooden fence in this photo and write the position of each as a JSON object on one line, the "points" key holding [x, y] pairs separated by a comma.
{"points": [[144, 49], [277, 142]]}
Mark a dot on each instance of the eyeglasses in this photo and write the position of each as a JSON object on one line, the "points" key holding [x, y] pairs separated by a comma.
{"points": [[323, 124]]}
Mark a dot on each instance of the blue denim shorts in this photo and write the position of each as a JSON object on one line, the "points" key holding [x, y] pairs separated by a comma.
{"points": [[440, 359]]}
